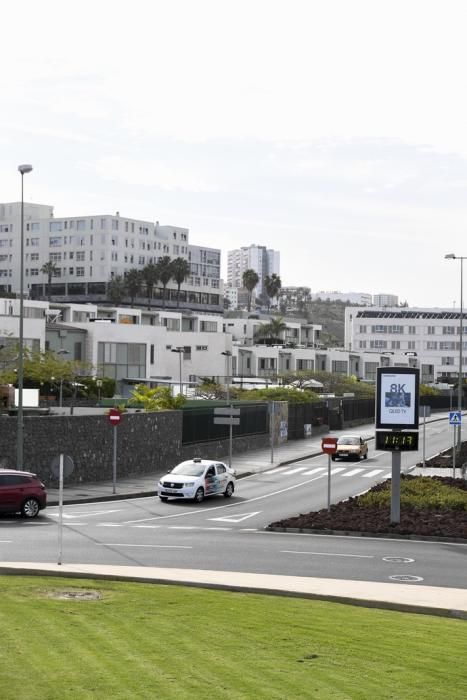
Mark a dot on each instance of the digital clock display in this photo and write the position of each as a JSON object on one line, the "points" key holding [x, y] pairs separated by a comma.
{"points": [[396, 441]]}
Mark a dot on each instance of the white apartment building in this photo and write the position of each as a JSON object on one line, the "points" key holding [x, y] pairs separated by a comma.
{"points": [[244, 331], [231, 293], [87, 251], [385, 300], [262, 260], [432, 335]]}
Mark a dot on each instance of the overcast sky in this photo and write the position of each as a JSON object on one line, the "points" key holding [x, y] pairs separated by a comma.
{"points": [[334, 131]]}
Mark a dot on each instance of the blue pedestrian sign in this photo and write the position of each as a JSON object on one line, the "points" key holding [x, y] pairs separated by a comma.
{"points": [[455, 417]]}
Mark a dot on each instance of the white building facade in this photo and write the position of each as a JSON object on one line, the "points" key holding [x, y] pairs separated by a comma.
{"points": [[262, 260], [88, 251]]}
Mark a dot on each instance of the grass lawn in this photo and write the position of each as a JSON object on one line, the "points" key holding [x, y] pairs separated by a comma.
{"points": [[164, 642]]}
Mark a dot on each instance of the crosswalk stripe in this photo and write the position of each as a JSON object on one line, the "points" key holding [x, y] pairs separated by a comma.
{"points": [[276, 470], [336, 470], [294, 471], [352, 472], [373, 472], [314, 471]]}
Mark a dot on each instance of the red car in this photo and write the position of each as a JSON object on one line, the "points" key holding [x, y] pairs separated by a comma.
{"points": [[21, 492]]}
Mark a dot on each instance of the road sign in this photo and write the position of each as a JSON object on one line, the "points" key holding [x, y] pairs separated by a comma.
{"points": [[68, 466], [114, 416], [455, 417], [329, 445], [226, 420], [227, 411]]}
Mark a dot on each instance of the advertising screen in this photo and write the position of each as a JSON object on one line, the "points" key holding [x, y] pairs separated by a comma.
{"points": [[397, 398]]}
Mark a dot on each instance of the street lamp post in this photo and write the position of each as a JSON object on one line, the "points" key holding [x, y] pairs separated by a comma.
{"points": [[180, 351], [61, 351], [452, 256], [228, 355], [23, 169]]}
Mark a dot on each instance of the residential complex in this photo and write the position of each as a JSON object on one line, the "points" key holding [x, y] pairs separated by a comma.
{"points": [[88, 251], [431, 335]]}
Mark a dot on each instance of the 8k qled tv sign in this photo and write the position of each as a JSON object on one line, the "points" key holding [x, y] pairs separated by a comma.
{"points": [[397, 397]]}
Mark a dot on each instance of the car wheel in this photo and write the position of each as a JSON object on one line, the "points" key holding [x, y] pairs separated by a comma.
{"points": [[199, 495], [229, 490], [164, 499], [365, 456], [30, 508], [333, 457]]}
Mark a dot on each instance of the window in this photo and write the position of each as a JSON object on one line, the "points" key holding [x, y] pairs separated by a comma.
{"points": [[55, 226], [448, 345], [80, 271], [362, 329], [201, 347], [412, 330], [449, 330], [151, 348], [114, 224], [395, 329], [103, 224], [208, 326], [378, 329], [80, 256], [362, 344], [34, 272], [53, 242], [430, 330], [4, 242], [395, 344], [411, 345], [81, 224], [378, 344], [447, 360]]}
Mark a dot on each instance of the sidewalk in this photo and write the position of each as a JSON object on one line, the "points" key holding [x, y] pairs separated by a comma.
{"points": [[246, 463]]}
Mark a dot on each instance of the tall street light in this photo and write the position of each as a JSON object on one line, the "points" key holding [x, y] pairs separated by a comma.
{"points": [[62, 352], [228, 355], [23, 169], [180, 351], [452, 256]]}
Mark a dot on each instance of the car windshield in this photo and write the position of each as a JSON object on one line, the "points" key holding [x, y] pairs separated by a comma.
{"points": [[192, 469], [348, 440]]}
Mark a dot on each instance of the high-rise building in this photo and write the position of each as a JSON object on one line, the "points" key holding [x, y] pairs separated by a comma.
{"points": [[262, 260], [385, 300]]}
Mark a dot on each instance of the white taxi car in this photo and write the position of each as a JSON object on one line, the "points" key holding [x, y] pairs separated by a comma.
{"points": [[197, 478]]}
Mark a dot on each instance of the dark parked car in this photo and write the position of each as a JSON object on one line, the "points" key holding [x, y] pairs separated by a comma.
{"points": [[21, 492]]}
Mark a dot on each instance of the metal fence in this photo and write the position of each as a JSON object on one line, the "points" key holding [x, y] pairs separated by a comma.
{"points": [[301, 414], [199, 426]]}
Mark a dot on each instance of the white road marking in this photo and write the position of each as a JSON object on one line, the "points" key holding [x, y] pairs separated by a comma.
{"points": [[276, 470], [6, 541], [248, 529], [328, 554], [237, 518], [85, 513], [336, 470], [352, 472], [314, 471], [148, 527], [157, 546], [373, 472], [108, 525], [295, 471]]}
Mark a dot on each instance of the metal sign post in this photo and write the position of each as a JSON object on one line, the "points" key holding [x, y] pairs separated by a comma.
{"points": [[396, 487], [426, 412], [455, 419], [271, 429], [60, 511], [228, 416], [329, 447], [115, 416]]}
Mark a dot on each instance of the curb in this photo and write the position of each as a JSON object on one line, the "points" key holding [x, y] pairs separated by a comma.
{"points": [[239, 588], [359, 533]]}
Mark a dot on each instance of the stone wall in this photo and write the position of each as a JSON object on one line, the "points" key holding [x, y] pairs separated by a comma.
{"points": [[146, 443], [219, 449]]}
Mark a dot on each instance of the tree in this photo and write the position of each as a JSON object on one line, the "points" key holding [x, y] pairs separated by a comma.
{"points": [[150, 277], [164, 272], [116, 289], [50, 269], [133, 279], [180, 271], [250, 279], [272, 286], [157, 399], [272, 331]]}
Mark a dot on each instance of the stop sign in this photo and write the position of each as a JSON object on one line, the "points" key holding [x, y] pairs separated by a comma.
{"points": [[329, 445], [114, 416]]}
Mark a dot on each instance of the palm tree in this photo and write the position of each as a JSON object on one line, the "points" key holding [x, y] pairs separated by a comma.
{"points": [[116, 289], [250, 279], [272, 331], [133, 280], [49, 268], [150, 277], [164, 272], [180, 271], [272, 286]]}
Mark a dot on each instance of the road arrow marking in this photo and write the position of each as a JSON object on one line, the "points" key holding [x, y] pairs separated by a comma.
{"points": [[237, 518]]}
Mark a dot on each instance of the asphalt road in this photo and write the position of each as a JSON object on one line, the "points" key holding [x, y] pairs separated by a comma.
{"points": [[228, 534]]}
